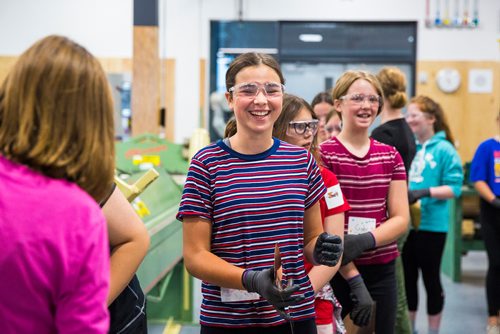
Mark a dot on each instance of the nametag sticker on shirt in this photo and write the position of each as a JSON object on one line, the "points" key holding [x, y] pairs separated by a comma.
{"points": [[333, 197], [358, 225], [234, 295]]}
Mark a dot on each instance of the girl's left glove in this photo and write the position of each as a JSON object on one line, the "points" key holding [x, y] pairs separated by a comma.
{"points": [[328, 249]]}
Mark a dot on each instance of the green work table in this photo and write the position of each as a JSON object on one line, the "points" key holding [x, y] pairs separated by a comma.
{"points": [[162, 274], [456, 245]]}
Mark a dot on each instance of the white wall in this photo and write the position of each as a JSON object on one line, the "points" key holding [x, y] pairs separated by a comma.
{"points": [[105, 28]]}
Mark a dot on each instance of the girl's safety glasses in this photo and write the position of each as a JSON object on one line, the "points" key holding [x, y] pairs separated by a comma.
{"points": [[252, 89], [301, 127]]}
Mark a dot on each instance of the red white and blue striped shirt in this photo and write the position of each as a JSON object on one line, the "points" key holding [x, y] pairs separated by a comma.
{"points": [[253, 203], [365, 183]]}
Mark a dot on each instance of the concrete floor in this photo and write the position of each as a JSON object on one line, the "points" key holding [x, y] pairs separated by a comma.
{"points": [[465, 309], [465, 304]]}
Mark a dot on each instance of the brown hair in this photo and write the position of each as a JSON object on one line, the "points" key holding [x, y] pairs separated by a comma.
{"points": [[292, 105], [431, 107], [251, 59], [393, 82], [322, 97], [56, 115], [231, 128], [348, 78]]}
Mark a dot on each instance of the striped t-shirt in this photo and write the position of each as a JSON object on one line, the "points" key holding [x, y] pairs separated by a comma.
{"points": [[253, 202], [365, 183]]}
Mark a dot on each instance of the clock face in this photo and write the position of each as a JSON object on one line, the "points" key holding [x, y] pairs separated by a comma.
{"points": [[448, 80]]}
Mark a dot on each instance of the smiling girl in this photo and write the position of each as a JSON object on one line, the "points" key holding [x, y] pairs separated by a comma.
{"points": [[373, 179], [243, 198]]}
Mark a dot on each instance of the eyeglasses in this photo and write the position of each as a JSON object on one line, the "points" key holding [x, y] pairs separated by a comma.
{"points": [[331, 129], [300, 127], [251, 89], [358, 99]]}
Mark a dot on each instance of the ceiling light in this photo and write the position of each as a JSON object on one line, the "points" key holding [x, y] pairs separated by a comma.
{"points": [[311, 38]]}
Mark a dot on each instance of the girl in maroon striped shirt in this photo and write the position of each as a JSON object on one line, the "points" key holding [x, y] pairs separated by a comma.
{"points": [[373, 179]]}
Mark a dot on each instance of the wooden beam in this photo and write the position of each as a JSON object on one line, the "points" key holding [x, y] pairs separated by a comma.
{"points": [[145, 81], [146, 69], [168, 81]]}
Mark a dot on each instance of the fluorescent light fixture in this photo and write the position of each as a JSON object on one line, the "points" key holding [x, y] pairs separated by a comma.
{"points": [[311, 38]]}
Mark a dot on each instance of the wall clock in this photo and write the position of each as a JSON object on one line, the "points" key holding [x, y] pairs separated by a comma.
{"points": [[448, 80]]}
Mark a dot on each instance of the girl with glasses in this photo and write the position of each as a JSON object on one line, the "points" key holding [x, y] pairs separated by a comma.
{"points": [[373, 180], [297, 125], [251, 205], [435, 176], [322, 104], [333, 124]]}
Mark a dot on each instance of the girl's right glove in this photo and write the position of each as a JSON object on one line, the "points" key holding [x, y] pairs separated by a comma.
{"points": [[356, 244], [262, 282]]}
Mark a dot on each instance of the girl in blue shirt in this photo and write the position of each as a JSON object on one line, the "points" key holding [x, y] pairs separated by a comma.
{"points": [[485, 173]]}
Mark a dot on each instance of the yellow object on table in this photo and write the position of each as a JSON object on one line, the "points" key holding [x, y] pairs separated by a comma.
{"points": [[415, 215], [131, 191]]}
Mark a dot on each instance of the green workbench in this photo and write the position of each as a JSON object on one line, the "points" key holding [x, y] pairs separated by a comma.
{"points": [[145, 151], [162, 274], [456, 245]]}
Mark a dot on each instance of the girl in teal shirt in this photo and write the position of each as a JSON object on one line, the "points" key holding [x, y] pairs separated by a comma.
{"points": [[435, 176]]}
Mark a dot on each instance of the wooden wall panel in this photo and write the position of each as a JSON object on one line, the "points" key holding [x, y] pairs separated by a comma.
{"points": [[5, 64], [145, 81], [168, 96], [116, 65], [470, 115]]}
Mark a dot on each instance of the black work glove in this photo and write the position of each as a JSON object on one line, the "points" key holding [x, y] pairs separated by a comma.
{"points": [[495, 203], [262, 282], [355, 244], [328, 249], [362, 301], [415, 195]]}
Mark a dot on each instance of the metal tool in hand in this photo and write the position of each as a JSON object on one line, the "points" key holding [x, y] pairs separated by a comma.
{"points": [[277, 280]]}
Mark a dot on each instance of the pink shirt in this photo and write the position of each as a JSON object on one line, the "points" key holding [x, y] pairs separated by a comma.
{"points": [[365, 183], [54, 258]]}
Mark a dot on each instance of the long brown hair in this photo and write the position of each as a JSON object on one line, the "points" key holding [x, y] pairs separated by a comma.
{"points": [[231, 128], [292, 105], [56, 115], [431, 107]]}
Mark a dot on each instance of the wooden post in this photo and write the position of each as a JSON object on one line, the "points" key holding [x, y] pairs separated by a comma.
{"points": [[145, 69]]}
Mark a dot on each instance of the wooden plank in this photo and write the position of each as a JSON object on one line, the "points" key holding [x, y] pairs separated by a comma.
{"points": [[116, 65], [6, 64], [168, 96], [145, 81]]}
